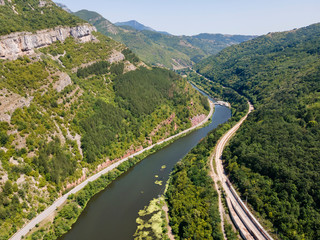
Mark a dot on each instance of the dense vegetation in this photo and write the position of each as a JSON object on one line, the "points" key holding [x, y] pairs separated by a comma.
{"points": [[21, 15], [152, 222], [98, 68], [192, 199], [63, 135], [239, 104], [55, 163], [160, 48], [76, 203], [157, 86], [67, 215], [274, 159], [101, 129]]}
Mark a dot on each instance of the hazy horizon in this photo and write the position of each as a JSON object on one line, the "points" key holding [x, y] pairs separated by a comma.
{"points": [[207, 16]]}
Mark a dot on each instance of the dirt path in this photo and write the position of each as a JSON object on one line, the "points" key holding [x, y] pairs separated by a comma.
{"points": [[47, 212], [166, 209]]}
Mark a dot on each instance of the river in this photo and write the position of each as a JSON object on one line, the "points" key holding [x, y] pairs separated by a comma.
{"points": [[111, 214]]}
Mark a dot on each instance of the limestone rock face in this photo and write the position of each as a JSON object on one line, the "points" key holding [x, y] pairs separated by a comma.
{"points": [[128, 67], [63, 82], [19, 44], [42, 3], [10, 102], [116, 57]]}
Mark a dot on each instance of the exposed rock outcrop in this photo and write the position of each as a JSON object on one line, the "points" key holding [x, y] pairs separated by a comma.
{"points": [[10, 102], [197, 119], [128, 67], [116, 57], [24, 43], [42, 3], [63, 82], [76, 138]]}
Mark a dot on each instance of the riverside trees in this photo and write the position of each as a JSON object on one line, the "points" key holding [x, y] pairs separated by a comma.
{"points": [[274, 159]]}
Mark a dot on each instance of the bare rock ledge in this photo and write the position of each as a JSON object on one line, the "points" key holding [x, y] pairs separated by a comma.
{"points": [[19, 44]]}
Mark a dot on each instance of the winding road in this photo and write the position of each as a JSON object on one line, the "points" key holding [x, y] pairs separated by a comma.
{"points": [[51, 209], [247, 224]]}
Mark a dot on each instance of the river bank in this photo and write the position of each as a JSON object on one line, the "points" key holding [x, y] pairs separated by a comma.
{"points": [[115, 209], [147, 151]]}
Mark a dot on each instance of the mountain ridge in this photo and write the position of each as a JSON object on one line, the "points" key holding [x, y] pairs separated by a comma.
{"points": [[170, 51], [138, 26], [274, 159], [134, 24], [63, 6], [73, 101]]}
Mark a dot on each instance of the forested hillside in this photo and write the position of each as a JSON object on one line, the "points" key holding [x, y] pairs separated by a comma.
{"points": [[192, 199], [162, 49], [32, 15], [274, 158], [66, 112]]}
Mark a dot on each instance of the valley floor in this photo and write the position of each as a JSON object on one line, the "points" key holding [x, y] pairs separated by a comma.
{"points": [[59, 202]]}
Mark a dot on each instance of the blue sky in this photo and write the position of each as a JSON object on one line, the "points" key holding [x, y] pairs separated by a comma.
{"points": [[190, 17]]}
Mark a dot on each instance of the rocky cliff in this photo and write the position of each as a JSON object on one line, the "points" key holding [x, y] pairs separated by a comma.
{"points": [[9, 102], [24, 43]]}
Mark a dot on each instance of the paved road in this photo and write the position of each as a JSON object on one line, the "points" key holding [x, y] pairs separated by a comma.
{"points": [[50, 210], [215, 178], [247, 223]]}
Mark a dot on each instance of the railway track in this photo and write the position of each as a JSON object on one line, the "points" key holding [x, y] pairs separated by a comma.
{"points": [[243, 219], [264, 234]]}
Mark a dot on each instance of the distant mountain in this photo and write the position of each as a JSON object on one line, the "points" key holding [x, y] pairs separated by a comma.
{"points": [[135, 25], [64, 7], [99, 21], [161, 48], [138, 26], [221, 37]]}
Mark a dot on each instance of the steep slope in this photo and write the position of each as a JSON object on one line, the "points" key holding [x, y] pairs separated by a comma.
{"points": [[65, 108], [157, 48], [64, 7], [32, 15], [274, 159]]}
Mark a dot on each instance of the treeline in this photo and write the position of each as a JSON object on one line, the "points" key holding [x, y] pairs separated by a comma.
{"points": [[101, 128], [138, 93], [117, 68], [274, 159], [98, 68], [192, 199], [103, 67], [76, 203], [239, 104], [4, 138], [130, 56], [142, 91], [54, 162]]}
